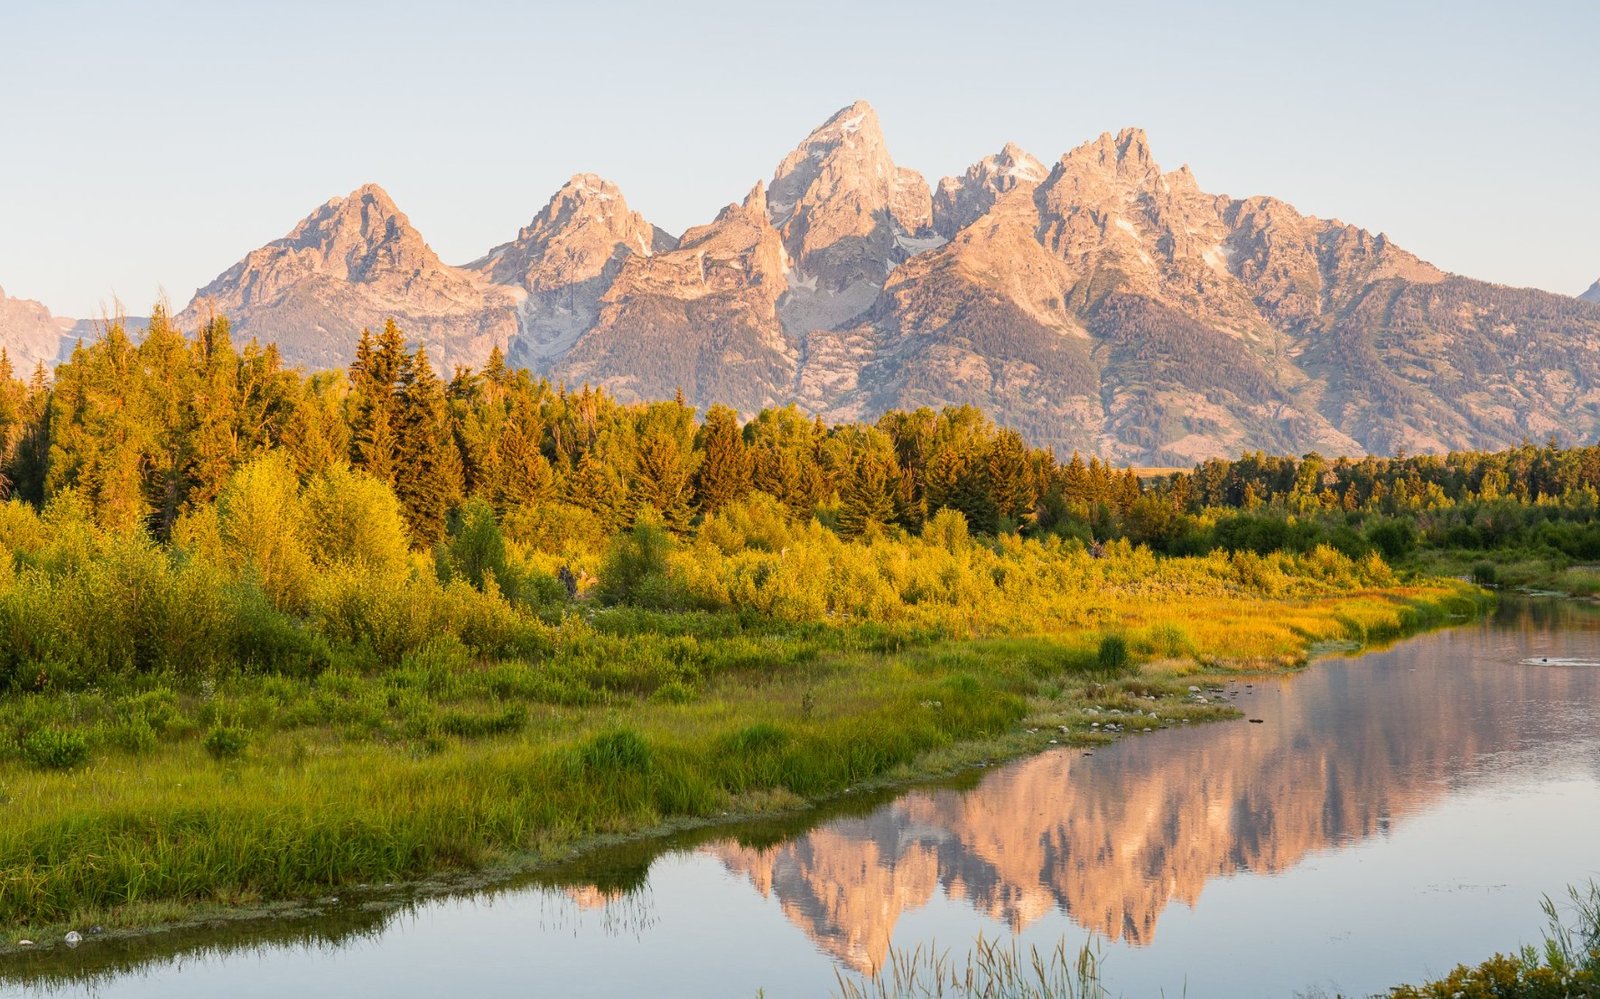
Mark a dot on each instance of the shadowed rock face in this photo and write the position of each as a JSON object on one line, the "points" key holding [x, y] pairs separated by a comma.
{"points": [[1592, 295], [1112, 839], [1099, 303]]}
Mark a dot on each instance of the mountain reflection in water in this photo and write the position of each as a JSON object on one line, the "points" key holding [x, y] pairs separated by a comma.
{"points": [[1111, 838]]}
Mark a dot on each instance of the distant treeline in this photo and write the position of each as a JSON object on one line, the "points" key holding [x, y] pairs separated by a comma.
{"points": [[142, 433]]}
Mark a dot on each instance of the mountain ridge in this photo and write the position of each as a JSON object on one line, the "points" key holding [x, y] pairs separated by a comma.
{"points": [[1096, 303]]}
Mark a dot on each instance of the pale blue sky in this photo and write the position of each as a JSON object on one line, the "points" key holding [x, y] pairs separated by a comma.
{"points": [[151, 145]]}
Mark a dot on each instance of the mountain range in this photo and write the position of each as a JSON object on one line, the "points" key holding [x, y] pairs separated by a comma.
{"points": [[1097, 303]]}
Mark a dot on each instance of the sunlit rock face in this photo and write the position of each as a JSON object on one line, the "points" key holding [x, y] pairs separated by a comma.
{"points": [[701, 318], [30, 335], [565, 260], [351, 264], [1113, 838]]}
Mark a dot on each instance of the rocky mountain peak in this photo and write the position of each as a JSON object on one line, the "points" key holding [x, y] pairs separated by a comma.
{"points": [[1592, 295], [584, 230], [1125, 154], [359, 237], [847, 215], [352, 263], [755, 203], [30, 334], [1015, 161], [960, 200]]}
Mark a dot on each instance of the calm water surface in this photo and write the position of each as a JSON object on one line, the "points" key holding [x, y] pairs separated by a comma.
{"points": [[1395, 814]]}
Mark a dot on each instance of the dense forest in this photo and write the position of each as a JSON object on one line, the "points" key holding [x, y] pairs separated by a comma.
{"points": [[145, 436]]}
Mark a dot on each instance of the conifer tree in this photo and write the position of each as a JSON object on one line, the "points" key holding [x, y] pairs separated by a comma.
{"points": [[663, 480], [783, 451], [522, 475], [374, 382], [1011, 483], [724, 472], [665, 463], [427, 467], [596, 486], [869, 476]]}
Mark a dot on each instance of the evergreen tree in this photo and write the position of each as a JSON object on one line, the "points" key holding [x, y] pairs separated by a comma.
{"points": [[725, 467], [784, 460], [374, 382], [427, 467], [665, 463], [596, 485], [869, 476], [1010, 475]]}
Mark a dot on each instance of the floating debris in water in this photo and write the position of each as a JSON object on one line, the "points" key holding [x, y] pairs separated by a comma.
{"points": [[1258, 721], [1558, 661]]}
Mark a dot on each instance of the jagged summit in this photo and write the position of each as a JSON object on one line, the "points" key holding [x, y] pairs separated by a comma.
{"points": [[585, 226], [360, 237], [960, 200], [1125, 157], [847, 215], [351, 264], [562, 263], [30, 335]]}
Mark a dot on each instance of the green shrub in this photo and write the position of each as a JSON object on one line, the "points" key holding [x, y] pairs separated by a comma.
{"points": [[1113, 655], [1484, 574], [476, 550], [1394, 538], [621, 751], [136, 735], [226, 742], [635, 569], [55, 749]]}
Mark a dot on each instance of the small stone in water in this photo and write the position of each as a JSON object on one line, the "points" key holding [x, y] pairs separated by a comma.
{"points": [[74, 938]]}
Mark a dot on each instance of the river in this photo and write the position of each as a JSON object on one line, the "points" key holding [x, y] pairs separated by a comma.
{"points": [[1391, 815]]}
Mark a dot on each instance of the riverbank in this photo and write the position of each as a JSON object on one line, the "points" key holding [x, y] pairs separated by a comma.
{"points": [[258, 794]]}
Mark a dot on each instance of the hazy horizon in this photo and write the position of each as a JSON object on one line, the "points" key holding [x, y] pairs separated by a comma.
{"points": [[153, 148]]}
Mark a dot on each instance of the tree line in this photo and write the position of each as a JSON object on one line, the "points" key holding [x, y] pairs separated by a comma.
{"points": [[142, 432]]}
